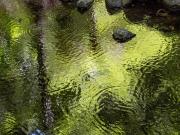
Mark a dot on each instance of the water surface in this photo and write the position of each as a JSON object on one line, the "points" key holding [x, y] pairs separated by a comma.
{"points": [[62, 72]]}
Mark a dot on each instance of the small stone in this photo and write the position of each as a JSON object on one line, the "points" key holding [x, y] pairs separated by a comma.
{"points": [[122, 35]]}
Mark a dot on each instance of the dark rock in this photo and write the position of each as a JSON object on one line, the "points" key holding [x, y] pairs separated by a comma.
{"points": [[116, 5], [172, 5], [122, 35], [84, 5]]}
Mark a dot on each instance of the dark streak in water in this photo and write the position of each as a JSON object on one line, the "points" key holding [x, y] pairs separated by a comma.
{"points": [[43, 81], [93, 31]]}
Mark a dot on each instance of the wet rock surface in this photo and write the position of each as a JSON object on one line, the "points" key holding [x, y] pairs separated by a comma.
{"points": [[172, 5], [84, 5], [122, 35], [116, 5]]}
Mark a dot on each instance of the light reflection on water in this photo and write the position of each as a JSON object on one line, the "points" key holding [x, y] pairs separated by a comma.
{"points": [[92, 84]]}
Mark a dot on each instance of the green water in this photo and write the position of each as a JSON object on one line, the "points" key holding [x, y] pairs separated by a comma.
{"points": [[62, 72]]}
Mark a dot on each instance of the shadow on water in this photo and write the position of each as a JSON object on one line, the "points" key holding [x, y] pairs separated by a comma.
{"points": [[157, 88], [113, 111], [18, 93], [157, 93], [154, 15]]}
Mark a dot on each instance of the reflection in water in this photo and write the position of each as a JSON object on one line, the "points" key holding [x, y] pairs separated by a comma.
{"points": [[62, 72]]}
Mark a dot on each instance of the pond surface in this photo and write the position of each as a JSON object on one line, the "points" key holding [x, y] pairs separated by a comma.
{"points": [[62, 72]]}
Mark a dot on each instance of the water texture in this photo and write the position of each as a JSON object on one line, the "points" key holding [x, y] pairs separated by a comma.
{"points": [[62, 72]]}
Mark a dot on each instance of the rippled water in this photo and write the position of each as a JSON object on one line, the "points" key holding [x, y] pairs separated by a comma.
{"points": [[61, 71]]}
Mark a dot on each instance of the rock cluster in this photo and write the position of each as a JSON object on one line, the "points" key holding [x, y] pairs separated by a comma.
{"points": [[172, 5], [115, 5], [122, 35]]}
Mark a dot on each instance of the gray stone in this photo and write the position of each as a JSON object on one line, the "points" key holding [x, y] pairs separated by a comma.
{"points": [[122, 35], [116, 4]]}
